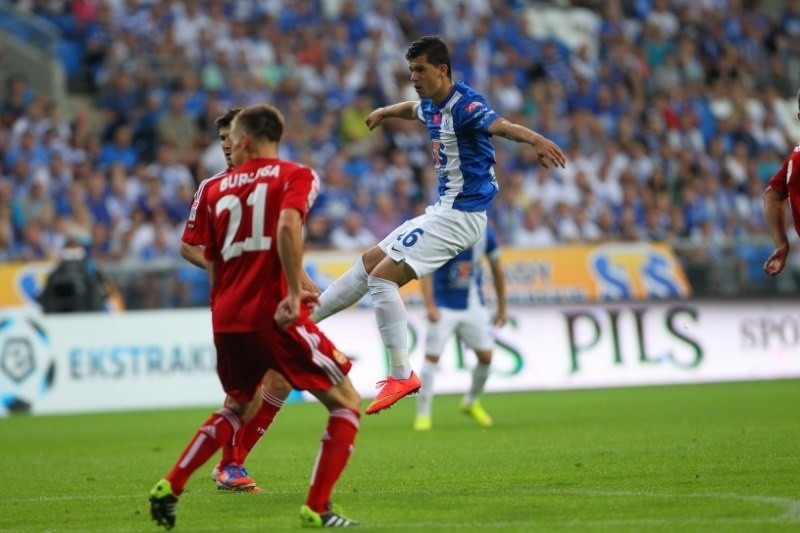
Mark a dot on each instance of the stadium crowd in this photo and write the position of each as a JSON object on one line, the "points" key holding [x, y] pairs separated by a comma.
{"points": [[674, 113]]}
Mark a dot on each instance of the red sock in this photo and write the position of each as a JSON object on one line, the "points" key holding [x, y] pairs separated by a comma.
{"points": [[335, 449], [216, 431], [254, 429]]}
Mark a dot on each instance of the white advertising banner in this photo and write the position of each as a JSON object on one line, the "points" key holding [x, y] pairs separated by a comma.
{"points": [[159, 359]]}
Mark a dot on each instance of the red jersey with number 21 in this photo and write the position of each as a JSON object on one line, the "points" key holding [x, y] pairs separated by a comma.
{"points": [[786, 182], [244, 207]]}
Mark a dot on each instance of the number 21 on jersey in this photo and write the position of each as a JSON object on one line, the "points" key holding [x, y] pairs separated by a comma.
{"points": [[257, 241]]}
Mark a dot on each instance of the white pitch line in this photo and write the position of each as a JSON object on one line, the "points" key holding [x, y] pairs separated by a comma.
{"points": [[790, 506]]}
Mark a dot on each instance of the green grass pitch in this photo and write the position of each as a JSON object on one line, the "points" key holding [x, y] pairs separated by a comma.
{"points": [[716, 457]]}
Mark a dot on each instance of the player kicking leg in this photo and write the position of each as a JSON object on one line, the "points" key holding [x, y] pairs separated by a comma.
{"points": [[413, 250]]}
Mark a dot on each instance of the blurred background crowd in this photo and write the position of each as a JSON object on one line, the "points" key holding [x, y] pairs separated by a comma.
{"points": [[673, 114]]}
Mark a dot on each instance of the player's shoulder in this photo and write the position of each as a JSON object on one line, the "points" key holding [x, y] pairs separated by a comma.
{"points": [[470, 103], [290, 167], [793, 158], [469, 97], [205, 185]]}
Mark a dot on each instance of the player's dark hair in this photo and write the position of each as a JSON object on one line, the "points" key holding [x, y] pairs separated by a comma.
{"points": [[262, 121], [434, 49], [225, 120]]}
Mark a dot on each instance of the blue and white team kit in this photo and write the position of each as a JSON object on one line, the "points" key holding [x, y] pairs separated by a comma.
{"points": [[458, 295], [463, 157]]}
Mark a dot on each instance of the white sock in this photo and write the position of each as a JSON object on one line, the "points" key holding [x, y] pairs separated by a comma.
{"points": [[479, 376], [342, 293], [425, 398], [390, 312]]}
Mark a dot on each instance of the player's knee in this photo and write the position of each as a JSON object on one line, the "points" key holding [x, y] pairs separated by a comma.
{"points": [[372, 257], [349, 397], [484, 356], [236, 406], [277, 385]]}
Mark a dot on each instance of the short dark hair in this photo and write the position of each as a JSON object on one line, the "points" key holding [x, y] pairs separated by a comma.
{"points": [[262, 121], [434, 49], [224, 120]]}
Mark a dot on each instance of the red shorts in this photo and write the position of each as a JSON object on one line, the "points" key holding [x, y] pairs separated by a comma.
{"points": [[302, 353], [242, 361], [307, 358]]}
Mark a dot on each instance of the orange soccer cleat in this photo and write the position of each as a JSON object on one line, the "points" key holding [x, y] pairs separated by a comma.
{"points": [[392, 389]]}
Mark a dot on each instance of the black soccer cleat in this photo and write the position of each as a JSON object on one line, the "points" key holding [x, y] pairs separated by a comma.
{"points": [[163, 504]]}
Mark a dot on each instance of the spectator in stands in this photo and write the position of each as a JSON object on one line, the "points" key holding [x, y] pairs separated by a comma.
{"points": [[670, 90], [352, 235], [176, 126], [120, 149], [534, 231]]}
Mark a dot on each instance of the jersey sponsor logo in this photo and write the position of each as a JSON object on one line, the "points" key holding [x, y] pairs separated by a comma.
{"points": [[439, 155], [460, 275], [472, 106], [243, 178]]}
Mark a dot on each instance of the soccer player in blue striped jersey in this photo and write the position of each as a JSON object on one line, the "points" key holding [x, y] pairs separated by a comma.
{"points": [[454, 302], [460, 124]]}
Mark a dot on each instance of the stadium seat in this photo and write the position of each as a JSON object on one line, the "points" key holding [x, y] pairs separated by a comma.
{"points": [[70, 54]]}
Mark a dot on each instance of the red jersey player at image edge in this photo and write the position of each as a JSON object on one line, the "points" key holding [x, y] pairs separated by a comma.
{"points": [[783, 186]]}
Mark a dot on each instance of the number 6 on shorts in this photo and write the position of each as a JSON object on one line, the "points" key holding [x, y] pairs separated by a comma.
{"points": [[410, 239]]}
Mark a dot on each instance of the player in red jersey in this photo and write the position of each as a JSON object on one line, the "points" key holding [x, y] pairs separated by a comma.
{"points": [[785, 184], [260, 321], [229, 473]]}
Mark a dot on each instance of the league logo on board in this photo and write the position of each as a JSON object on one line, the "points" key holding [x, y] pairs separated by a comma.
{"points": [[27, 365]]}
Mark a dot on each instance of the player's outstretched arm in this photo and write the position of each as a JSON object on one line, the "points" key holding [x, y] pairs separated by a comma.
{"points": [[548, 152], [500, 290], [194, 254], [426, 287], [775, 218], [404, 110]]}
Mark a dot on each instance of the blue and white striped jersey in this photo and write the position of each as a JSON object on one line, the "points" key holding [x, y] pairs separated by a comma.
{"points": [[457, 284], [463, 155]]}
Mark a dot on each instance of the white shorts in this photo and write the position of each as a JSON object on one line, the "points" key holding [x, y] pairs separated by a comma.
{"points": [[474, 326], [428, 241]]}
